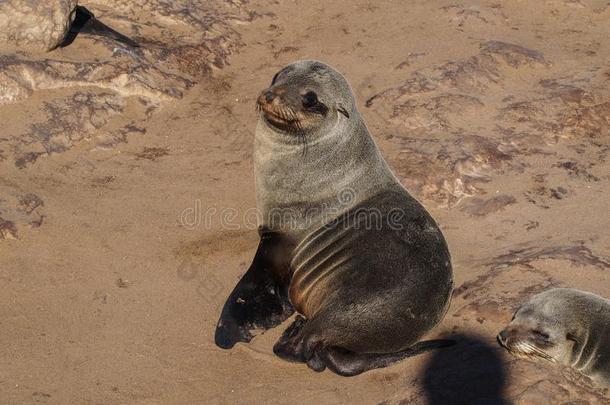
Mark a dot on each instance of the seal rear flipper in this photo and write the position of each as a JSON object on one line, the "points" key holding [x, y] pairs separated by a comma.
{"points": [[258, 302], [85, 22], [290, 345], [347, 363]]}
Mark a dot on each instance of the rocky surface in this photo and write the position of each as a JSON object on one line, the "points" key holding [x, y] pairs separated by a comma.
{"points": [[105, 91], [34, 25], [432, 115]]}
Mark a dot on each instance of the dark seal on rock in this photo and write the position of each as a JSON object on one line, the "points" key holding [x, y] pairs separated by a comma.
{"points": [[46, 25]]}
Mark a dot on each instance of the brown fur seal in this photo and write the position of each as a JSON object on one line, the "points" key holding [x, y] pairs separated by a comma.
{"points": [[564, 326], [342, 242]]}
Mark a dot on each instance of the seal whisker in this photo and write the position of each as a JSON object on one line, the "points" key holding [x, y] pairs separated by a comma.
{"points": [[282, 113], [303, 137], [533, 350], [287, 114]]}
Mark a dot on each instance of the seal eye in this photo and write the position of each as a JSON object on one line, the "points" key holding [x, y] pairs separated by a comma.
{"points": [[310, 99], [540, 334]]}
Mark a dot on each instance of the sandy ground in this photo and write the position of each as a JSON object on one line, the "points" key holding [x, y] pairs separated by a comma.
{"points": [[126, 185]]}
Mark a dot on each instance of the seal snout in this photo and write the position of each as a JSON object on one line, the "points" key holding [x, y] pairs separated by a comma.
{"points": [[268, 95], [265, 99], [276, 109], [503, 337]]}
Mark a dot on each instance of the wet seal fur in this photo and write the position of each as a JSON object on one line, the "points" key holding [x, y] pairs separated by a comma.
{"points": [[342, 242], [564, 326]]}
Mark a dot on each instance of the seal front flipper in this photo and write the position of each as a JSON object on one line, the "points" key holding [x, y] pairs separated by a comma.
{"points": [[260, 300]]}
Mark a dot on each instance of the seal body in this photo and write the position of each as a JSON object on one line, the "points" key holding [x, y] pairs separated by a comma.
{"points": [[564, 326], [360, 260]]}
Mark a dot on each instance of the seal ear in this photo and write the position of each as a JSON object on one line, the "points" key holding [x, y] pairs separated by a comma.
{"points": [[342, 110]]}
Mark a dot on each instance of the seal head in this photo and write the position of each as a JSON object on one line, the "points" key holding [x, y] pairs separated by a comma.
{"points": [[301, 97], [312, 146], [563, 326]]}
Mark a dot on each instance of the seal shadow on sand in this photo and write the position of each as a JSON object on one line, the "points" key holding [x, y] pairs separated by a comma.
{"points": [[470, 372]]}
